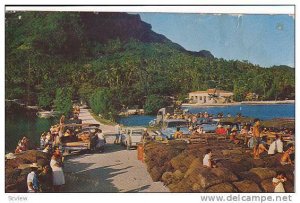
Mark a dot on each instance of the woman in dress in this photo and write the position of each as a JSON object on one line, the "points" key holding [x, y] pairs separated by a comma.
{"points": [[58, 174]]}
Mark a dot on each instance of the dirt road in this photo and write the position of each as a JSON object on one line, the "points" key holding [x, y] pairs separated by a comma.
{"points": [[115, 170]]}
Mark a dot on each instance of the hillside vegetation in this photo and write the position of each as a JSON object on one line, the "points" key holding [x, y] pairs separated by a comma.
{"points": [[115, 60]]}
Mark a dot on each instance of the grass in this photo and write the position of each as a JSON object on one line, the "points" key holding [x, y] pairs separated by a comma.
{"points": [[103, 120]]}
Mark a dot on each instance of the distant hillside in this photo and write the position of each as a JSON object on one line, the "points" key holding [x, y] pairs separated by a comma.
{"points": [[118, 57]]}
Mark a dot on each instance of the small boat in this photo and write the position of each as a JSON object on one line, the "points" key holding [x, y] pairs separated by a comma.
{"points": [[46, 114]]}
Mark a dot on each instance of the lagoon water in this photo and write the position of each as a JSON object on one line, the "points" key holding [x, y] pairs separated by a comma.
{"points": [[19, 123], [264, 112]]}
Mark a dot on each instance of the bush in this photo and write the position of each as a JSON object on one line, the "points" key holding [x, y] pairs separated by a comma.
{"points": [[102, 102], [154, 103], [63, 100]]}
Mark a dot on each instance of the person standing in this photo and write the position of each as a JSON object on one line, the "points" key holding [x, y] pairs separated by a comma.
{"points": [[32, 179], [45, 179], [58, 176], [256, 138]]}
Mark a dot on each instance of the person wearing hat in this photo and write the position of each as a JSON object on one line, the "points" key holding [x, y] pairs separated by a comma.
{"points": [[32, 179]]}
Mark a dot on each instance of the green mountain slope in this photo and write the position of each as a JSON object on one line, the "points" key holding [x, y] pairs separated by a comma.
{"points": [[118, 56]]}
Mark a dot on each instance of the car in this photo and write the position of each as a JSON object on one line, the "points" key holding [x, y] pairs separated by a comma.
{"points": [[132, 136], [170, 126]]}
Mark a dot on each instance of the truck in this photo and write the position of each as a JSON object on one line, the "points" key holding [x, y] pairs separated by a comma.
{"points": [[85, 139]]}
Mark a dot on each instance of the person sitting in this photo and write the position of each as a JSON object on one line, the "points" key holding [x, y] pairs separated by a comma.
{"points": [[146, 136], [221, 130], [262, 147], [21, 146], [233, 135], [18, 150], [278, 182], [178, 134], [47, 149], [200, 130], [43, 141], [207, 160], [32, 179], [286, 157], [276, 146], [244, 134], [25, 142]]}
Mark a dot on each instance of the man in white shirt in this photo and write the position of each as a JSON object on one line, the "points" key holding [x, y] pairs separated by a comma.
{"points": [[32, 179], [278, 182], [276, 146], [207, 159]]}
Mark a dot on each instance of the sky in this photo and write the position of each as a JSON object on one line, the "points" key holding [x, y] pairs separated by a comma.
{"points": [[265, 40]]}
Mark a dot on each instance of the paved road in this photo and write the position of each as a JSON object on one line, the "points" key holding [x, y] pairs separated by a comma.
{"points": [[115, 170]]}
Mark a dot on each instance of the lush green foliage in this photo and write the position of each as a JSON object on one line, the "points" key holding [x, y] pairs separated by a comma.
{"points": [[154, 103], [63, 101], [102, 102], [49, 50]]}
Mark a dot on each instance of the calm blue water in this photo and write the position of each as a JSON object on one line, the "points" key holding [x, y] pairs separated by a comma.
{"points": [[264, 112]]}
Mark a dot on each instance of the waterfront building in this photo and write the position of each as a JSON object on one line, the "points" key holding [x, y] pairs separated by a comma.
{"points": [[211, 96]]}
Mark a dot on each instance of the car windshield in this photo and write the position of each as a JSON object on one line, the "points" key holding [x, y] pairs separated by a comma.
{"points": [[137, 133], [177, 124]]}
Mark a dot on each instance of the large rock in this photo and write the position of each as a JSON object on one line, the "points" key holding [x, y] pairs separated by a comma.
{"points": [[227, 152], [207, 178], [247, 175], [258, 163], [247, 186], [196, 164], [263, 173], [167, 178], [267, 185], [224, 174], [182, 161], [222, 187]]}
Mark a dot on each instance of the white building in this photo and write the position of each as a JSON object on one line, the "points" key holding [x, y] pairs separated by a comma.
{"points": [[211, 96]]}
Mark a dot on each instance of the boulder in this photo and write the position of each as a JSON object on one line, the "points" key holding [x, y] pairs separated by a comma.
{"points": [[207, 178], [247, 186], [258, 163], [222, 187], [247, 175], [196, 164], [167, 178], [224, 174], [227, 152], [272, 161], [267, 185], [263, 173], [182, 162], [289, 186], [156, 173], [177, 176]]}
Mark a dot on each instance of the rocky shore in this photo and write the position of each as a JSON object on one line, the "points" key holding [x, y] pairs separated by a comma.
{"points": [[179, 166]]}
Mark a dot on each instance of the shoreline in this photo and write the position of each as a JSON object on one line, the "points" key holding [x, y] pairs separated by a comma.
{"points": [[241, 103]]}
